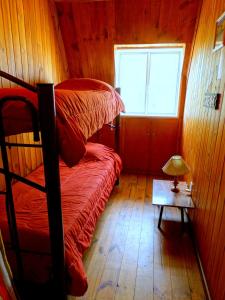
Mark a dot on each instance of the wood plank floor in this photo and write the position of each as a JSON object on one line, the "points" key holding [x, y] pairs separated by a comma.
{"points": [[131, 259]]}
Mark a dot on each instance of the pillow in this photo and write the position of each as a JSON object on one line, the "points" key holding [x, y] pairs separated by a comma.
{"points": [[93, 152], [96, 152]]}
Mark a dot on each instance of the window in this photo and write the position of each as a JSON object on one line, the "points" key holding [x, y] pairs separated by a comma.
{"points": [[149, 79]]}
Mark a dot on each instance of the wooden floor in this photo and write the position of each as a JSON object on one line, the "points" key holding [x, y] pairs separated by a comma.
{"points": [[131, 259]]}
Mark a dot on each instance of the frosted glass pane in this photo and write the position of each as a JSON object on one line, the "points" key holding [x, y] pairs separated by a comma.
{"points": [[163, 86], [132, 81]]}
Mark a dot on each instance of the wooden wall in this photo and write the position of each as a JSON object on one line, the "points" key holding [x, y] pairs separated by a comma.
{"points": [[204, 147], [91, 28], [31, 48]]}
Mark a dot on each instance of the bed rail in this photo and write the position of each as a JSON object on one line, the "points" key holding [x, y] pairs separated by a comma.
{"points": [[9, 197], [117, 127], [18, 81], [115, 124], [47, 111], [47, 124]]}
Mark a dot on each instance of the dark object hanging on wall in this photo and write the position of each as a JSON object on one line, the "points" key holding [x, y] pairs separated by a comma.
{"points": [[212, 100]]}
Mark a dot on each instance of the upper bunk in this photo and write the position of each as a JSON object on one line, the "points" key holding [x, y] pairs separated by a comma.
{"points": [[83, 106]]}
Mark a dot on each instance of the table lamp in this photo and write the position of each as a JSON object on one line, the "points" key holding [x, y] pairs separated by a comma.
{"points": [[176, 166]]}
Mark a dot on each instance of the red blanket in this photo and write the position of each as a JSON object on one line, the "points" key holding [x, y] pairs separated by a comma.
{"points": [[85, 190], [83, 106]]}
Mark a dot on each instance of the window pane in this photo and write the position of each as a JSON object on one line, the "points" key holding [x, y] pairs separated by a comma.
{"points": [[164, 74], [132, 80]]}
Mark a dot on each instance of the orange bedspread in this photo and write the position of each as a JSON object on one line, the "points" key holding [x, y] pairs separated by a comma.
{"points": [[83, 106], [85, 190]]}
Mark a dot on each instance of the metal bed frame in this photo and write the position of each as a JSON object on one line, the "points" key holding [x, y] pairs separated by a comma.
{"points": [[44, 121]]}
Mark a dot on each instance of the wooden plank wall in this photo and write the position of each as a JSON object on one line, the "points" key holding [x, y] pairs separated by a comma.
{"points": [[204, 147], [91, 28], [31, 48]]}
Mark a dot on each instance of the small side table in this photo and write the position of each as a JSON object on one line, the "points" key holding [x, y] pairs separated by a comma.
{"points": [[163, 196]]}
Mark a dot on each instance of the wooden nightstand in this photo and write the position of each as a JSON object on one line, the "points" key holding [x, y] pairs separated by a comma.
{"points": [[163, 196]]}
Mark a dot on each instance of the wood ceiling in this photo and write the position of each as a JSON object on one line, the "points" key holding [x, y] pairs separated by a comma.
{"points": [[91, 28]]}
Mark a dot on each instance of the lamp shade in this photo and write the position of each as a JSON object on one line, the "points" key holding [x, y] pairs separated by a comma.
{"points": [[176, 166]]}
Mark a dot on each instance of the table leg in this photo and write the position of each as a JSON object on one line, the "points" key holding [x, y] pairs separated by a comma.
{"points": [[182, 217], [160, 216]]}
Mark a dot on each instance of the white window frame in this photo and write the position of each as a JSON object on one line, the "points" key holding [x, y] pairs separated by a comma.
{"points": [[149, 49]]}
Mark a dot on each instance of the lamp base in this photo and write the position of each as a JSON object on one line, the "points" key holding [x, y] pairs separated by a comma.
{"points": [[175, 183], [175, 190]]}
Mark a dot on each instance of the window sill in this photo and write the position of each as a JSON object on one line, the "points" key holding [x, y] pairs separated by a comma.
{"points": [[148, 116]]}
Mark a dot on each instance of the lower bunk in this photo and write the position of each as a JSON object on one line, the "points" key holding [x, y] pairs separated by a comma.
{"points": [[85, 190]]}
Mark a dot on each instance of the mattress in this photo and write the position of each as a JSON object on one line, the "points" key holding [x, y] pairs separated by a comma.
{"points": [[85, 190]]}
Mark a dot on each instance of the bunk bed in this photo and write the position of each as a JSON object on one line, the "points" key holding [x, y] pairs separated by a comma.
{"points": [[57, 231]]}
